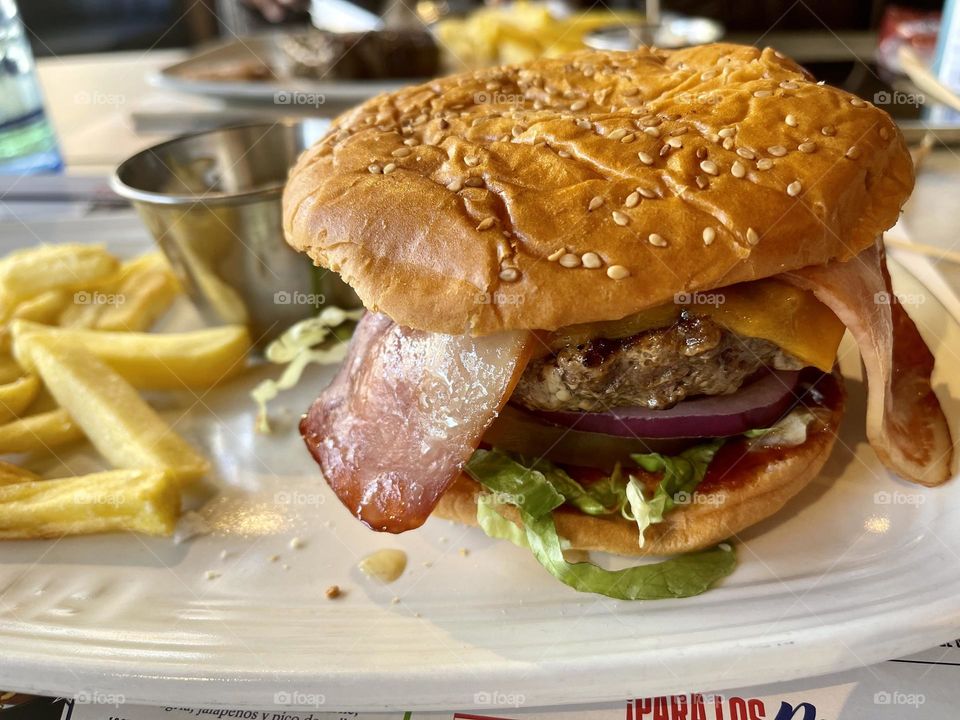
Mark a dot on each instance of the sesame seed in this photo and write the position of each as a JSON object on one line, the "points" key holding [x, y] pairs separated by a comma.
{"points": [[617, 134], [789, 85], [628, 138], [556, 254], [401, 152], [807, 147], [764, 164], [828, 130], [578, 105], [485, 224], [857, 102], [632, 200], [569, 260], [591, 260], [752, 236], [473, 181], [652, 131], [727, 132], [762, 93], [563, 153], [679, 131], [656, 240], [645, 158], [884, 133], [617, 272], [411, 142], [375, 169], [777, 150], [389, 168], [646, 192], [728, 143], [584, 124], [664, 150], [701, 153], [455, 185], [794, 188], [509, 274], [709, 235], [675, 142], [790, 120], [746, 153], [619, 218], [853, 152], [701, 182], [649, 121], [709, 74], [709, 167], [737, 169], [595, 202], [471, 160]]}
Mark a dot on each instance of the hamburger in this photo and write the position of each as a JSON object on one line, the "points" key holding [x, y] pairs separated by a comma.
{"points": [[605, 295]]}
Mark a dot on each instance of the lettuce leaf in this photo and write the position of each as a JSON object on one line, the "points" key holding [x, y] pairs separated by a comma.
{"points": [[534, 496], [574, 493], [681, 475]]}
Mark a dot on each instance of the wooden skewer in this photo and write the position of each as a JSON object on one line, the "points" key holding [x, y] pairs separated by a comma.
{"points": [[927, 250]]}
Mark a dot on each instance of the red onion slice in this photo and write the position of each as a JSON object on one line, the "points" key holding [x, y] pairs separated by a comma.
{"points": [[757, 405]]}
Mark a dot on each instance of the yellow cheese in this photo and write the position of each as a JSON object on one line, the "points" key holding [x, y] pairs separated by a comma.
{"points": [[785, 315], [770, 309]]}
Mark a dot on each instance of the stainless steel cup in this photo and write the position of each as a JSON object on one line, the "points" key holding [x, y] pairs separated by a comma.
{"points": [[212, 202]]}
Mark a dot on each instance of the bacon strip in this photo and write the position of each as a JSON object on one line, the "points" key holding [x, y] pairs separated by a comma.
{"points": [[905, 424], [404, 413]]}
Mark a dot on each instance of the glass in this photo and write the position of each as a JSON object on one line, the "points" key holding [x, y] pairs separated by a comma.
{"points": [[27, 141]]}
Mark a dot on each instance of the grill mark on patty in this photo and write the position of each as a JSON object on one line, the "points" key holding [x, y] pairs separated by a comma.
{"points": [[655, 369]]}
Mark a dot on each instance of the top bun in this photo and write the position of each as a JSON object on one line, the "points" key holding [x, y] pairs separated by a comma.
{"points": [[448, 205]]}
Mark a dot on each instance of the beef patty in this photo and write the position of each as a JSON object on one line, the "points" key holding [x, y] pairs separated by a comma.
{"points": [[654, 369]]}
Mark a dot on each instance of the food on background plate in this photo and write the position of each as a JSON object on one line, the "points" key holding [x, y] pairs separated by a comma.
{"points": [[519, 32], [371, 55], [73, 318], [604, 306]]}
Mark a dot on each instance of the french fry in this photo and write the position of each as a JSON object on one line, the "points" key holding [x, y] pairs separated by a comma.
{"points": [[27, 273], [42, 431], [121, 426], [137, 500], [148, 287], [10, 369], [16, 396], [10, 474], [159, 361], [140, 292]]}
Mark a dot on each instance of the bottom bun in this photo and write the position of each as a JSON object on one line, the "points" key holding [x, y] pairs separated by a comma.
{"points": [[747, 489]]}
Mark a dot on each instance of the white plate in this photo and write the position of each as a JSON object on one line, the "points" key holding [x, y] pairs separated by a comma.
{"points": [[839, 579], [290, 92]]}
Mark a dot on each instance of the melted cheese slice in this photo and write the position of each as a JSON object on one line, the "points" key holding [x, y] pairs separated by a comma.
{"points": [[785, 315], [770, 309]]}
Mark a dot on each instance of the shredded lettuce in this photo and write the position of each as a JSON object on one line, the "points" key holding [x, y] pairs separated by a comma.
{"points": [[535, 497], [681, 475], [296, 348], [574, 493]]}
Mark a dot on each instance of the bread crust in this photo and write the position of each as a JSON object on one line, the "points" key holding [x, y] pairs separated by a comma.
{"points": [[745, 495], [442, 204]]}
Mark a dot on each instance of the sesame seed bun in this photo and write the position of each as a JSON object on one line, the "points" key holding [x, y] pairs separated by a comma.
{"points": [[742, 490], [590, 187]]}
